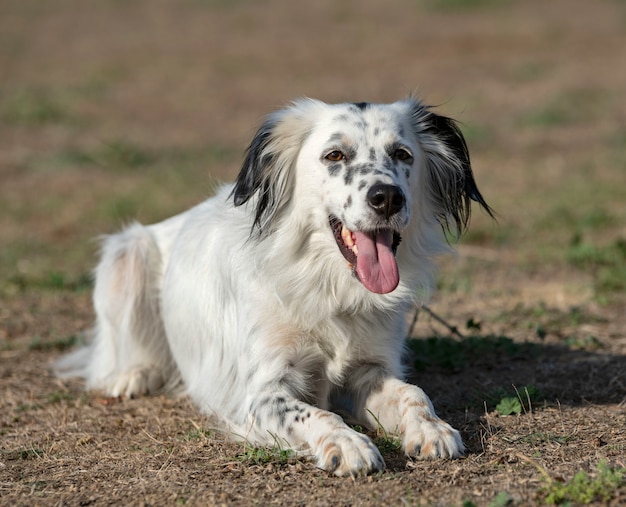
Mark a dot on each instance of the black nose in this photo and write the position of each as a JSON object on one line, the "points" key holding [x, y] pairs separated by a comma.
{"points": [[386, 200]]}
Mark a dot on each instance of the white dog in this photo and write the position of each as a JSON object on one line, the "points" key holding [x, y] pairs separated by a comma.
{"points": [[284, 296]]}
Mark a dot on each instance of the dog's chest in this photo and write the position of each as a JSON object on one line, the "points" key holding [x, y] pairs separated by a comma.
{"points": [[337, 352]]}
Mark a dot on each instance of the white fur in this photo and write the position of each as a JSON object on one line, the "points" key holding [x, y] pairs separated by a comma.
{"points": [[263, 321]]}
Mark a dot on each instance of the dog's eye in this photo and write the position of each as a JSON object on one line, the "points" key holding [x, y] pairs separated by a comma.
{"points": [[403, 155], [335, 156]]}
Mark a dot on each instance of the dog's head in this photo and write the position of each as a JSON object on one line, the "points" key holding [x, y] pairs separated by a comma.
{"points": [[368, 169]]}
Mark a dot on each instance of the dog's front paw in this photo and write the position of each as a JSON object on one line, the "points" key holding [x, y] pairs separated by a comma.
{"points": [[348, 453], [430, 437]]}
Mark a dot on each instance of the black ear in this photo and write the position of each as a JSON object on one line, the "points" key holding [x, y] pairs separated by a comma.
{"points": [[451, 135], [450, 179], [249, 179], [267, 175], [252, 177]]}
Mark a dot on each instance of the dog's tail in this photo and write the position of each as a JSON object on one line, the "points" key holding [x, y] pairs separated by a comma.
{"points": [[76, 362], [128, 342]]}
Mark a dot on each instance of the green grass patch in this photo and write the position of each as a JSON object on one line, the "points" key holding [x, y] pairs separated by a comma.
{"points": [[502, 499], [385, 441], [35, 106], [54, 280], [58, 344], [58, 396], [588, 342], [478, 137], [575, 219], [584, 488], [123, 155], [521, 402], [606, 263], [199, 434], [26, 407], [265, 455], [509, 405], [463, 5], [30, 453], [566, 108], [513, 401], [489, 234], [115, 154], [543, 438], [451, 354], [530, 71], [547, 320]]}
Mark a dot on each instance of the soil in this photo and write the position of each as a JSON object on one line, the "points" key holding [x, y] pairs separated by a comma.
{"points": [[120, 110]]}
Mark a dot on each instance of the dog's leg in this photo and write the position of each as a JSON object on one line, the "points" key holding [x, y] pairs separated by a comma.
{"points": [[337, 448], [405, 409], [130, 355]]}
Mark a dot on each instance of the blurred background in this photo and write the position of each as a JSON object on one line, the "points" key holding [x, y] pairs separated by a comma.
{"points": [[114, 110], [121, 110]]}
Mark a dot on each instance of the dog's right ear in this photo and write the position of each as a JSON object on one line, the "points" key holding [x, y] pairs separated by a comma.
{"points": [[266, 176], [249, 179]]}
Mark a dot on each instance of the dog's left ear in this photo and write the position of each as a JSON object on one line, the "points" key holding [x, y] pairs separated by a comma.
{"points": [[267, 173], [450, 177]]}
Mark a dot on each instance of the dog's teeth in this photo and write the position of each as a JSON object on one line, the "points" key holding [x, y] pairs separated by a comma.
{"points": [[346, 235], [348, 240]]}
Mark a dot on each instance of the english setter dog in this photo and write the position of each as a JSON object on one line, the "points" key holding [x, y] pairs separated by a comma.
{"points": [[284, 296]]}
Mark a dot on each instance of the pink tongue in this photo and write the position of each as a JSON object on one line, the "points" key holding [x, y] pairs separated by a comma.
{"points": [[376, 264]]}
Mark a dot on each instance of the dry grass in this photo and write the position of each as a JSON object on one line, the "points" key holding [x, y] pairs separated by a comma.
{"points": [[116, 111]]}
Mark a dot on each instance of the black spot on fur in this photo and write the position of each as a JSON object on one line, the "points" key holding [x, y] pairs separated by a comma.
{"points": [[348, 202], [335, 138], [372, 154], [362, 184], [334, 169], [365, 169], [349, 174], [391, 167], [361, 105]]}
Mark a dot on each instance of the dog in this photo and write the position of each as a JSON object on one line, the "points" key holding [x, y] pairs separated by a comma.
{"points": [[281, 301]]}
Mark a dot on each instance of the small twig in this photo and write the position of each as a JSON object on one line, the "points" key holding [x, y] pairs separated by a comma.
{"points": [[409, 333], [539, 468], [453, 329], [152, 438]]}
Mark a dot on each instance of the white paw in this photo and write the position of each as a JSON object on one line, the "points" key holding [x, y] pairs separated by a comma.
{"points": [[346, 452], [430, 437], [134, 382]]}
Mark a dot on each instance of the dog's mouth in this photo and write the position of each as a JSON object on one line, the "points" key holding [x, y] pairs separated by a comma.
{"points": [[371, 255]]}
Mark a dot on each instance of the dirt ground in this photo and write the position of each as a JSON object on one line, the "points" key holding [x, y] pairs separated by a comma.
{"points": [[114, 111]]}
